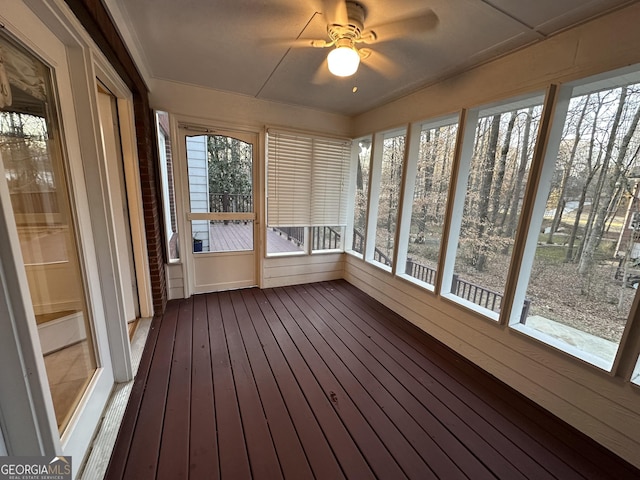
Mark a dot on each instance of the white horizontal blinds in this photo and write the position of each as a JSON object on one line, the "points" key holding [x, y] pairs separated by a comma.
{"points": [[289, 179], [329, 186], [306, 180]]}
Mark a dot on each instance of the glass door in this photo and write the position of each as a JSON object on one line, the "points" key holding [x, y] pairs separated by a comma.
{"points": [[38, 179], [221, 209]]}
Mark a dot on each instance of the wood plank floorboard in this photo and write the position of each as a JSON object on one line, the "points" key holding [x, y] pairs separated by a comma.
{"points": [[431, 390], [481, 418], [120, 452], [484, 403], [173, 462], [321, 381], [203, 441], [396, 429], [232, 448], [567, 451], [239, 236], [142, 461], [424, 407], [285, 437], [346, 452]]}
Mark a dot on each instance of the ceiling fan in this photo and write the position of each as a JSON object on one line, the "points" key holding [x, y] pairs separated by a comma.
{"points": [[346, 30]]}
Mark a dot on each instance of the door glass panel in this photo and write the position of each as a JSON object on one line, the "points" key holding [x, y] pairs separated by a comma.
{"points": [[220, 181], [230, 235], [31, 154]]}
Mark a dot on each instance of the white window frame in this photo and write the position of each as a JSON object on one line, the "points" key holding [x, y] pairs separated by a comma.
{"points": [[320, 166], [411, 166], [465, 153], [351, 199], [345, 203], [635, 375], [538, 190], [375, 177]]}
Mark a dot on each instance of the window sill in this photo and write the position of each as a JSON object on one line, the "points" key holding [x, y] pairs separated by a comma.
{"points": [[381, 266], [419, 283], [485, 312], [557, 344], [286, 254]]}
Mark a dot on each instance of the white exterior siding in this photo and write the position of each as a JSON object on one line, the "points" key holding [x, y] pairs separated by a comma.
{"points": [[198, 186]]}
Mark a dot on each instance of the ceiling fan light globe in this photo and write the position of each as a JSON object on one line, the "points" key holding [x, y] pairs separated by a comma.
{"points": [[343, 61]]}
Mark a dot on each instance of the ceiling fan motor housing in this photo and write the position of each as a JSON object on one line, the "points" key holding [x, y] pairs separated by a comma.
{"points": [[355, 26]]}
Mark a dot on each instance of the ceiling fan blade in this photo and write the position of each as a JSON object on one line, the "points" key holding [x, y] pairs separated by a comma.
{"points": [[297, 42], [402, 27], [335, 12], [322, 74], [382, 65]]}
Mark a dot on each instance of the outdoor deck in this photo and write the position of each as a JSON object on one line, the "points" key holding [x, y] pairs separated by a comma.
{"points": [[239, 236], [321, 381]]}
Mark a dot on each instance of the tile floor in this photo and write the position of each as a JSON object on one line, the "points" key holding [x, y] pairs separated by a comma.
{"points": [[68, 370]]}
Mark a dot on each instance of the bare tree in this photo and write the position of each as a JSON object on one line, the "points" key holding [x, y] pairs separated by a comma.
{"points": [[501, 167], [567, 171], [488, 166], [587, 259]]}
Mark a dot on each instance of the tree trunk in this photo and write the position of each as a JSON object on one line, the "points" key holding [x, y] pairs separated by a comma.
{"points": [[587, 260], [595, 201], [592, 170], [488, 166], [502, 163], [429, 171], [359, 180], [522, 170], [442, 187], [576, 223], [568, 166]]}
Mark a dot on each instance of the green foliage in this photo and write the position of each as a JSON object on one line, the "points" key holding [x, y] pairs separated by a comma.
{"points": [[230, 166], [229, 162]]}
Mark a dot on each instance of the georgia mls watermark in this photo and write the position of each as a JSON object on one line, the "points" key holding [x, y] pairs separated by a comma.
{"points": [[35, 468]]}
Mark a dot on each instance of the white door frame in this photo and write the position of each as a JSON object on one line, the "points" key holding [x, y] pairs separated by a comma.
{"points": [[27, 416], [107, 75], [227, 260]]}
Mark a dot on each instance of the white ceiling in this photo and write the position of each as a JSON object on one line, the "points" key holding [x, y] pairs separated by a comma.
{"points": [[229, 44]]}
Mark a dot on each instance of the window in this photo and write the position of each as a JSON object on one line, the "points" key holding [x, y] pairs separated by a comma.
{"points": [[362, 160], [635, 376], [386, 181], [285, 239], [327, 238], [428, 173], [585, 267], [168, 189], [307, 178], [493, 175]]}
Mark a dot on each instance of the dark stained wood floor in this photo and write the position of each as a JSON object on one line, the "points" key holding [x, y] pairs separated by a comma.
{"points": [[321, 381]]}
